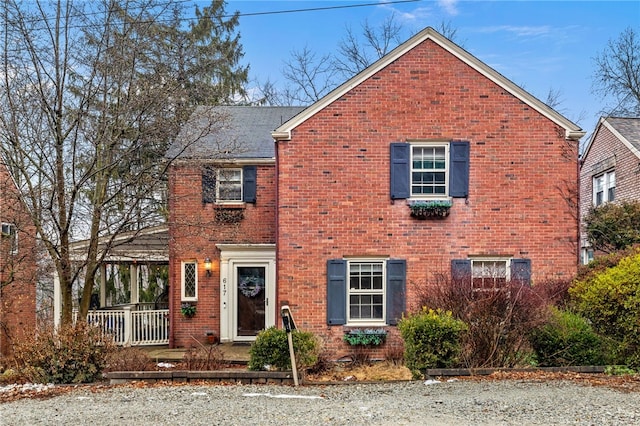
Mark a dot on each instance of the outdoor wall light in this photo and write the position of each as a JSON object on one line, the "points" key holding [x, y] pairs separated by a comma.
{"points": [[207, 266]]}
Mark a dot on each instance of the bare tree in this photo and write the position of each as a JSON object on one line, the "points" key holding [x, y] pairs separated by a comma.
{"points": [[617, 73], [309, 76], [91, 95]]}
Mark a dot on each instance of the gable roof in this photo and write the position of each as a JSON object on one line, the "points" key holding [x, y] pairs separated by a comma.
{"points": [[627, 130], [572, 131], [239, 132]]}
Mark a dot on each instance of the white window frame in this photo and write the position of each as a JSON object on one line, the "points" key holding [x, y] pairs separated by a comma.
{"points": [[484, 260], [383, 291], [10, 231], [219, 182], [439, 144], [606, 182], [183, 296]]}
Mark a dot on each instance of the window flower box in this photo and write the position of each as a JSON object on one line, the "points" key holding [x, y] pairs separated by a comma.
{"points": [[365, 336], [188, 310], [436, 209]]}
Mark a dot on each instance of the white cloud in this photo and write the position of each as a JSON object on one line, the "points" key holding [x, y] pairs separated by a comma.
{"points": [[520, 31], [449, 6]]}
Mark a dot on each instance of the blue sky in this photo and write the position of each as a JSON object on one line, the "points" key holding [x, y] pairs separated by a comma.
{"points": [[540, 45]]}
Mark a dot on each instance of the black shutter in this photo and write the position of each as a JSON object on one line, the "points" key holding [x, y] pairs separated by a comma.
{"points": [[400, 170], [459, 169], [396, 289], [336, 291], [249, 184], [208, 184], [521, 271], [461, 270]]}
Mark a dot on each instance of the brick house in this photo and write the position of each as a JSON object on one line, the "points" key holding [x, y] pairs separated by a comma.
{"points": [[427, 162], [17, 265], [609, 168]]}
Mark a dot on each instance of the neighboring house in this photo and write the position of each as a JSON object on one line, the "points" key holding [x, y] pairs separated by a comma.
{"points": [[427, 162], [17, 265], [609, 169]]}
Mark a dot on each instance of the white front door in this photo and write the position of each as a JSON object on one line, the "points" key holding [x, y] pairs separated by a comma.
{"points": [[247, 291]]}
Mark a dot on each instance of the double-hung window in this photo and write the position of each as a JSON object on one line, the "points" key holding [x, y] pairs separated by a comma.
{"points": [[189, 290], [365, 291], [429, 171], [9, 235], [604, 188], [487, 274], [229, 184]]}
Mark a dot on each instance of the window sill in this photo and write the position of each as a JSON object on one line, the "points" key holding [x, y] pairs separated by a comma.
{"points": [[230, 205]]}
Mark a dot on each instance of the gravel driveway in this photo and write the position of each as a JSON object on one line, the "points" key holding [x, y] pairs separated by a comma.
{"points": [[504, 402]]}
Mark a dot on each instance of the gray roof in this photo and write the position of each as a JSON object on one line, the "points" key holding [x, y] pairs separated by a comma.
{"points": [[230, 132], [629, 128]]}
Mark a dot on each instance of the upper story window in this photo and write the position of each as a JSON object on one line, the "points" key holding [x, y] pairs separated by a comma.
{"points": [[189, 291], [429, 170], [229, 184], [604, 188], [9, 234]]}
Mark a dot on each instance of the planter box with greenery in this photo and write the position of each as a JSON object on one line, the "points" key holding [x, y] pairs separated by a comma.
{"points": [[436, 209], [188, 310], [365, 336]]}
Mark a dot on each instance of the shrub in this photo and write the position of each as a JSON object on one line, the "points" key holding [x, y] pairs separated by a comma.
{"points": [[271, 350], [203, 358], [72, 354], [431, 340], [611, 301], [567, 339], [499, 320], [128, 359], [613, 226]]}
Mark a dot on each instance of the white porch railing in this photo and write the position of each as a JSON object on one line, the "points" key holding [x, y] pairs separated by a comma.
{"points": [[133, 328]]}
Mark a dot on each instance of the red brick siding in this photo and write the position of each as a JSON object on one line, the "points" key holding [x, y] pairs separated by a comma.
{"points": [[334, 182], [627, 167], [17, 271], [194, 233]]}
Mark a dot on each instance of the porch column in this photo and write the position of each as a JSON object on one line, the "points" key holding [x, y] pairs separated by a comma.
{"points": [[225, 327], [57, 301], [133, 273], [103, 285]]}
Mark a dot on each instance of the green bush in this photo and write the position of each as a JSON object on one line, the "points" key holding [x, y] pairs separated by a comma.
{"points": [[611, 301], [567, 339], [431, 340], [613, 226], [72, 354], [271, 350]]}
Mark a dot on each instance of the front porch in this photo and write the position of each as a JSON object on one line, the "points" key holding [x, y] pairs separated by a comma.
{"points": [[130, 299]]}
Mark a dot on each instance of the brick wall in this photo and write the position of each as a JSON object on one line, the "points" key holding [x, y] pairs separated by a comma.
{"points": [[627, 168], [17, 269], [194, 232], [334, 182]]}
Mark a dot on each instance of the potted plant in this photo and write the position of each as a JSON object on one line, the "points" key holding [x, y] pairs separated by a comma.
{"points": [[365, 336], [436, 209], [188, 310]]}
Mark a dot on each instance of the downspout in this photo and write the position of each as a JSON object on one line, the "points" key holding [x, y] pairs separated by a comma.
{"points": [[277, 225]]}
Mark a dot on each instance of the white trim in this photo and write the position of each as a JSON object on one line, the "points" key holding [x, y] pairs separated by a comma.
{"points": [[572, 131], [184, 298], [231, 256], [369, 321], [447, 171], [604, 122]]}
